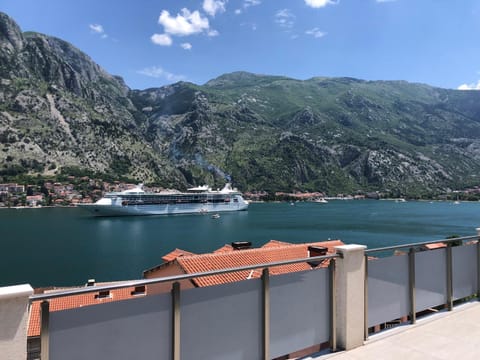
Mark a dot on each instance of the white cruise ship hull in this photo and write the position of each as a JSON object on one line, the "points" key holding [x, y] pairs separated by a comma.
{"points": [[167, 209]]}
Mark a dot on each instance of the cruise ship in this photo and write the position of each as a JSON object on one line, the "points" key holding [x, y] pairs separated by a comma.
{"points": [[197, 200]]}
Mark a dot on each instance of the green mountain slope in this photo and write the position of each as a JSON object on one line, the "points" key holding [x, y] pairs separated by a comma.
{"points": [[60, 111], [320, 134]]}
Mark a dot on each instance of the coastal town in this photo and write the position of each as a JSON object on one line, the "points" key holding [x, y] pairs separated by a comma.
{"points": [[84, 190]]}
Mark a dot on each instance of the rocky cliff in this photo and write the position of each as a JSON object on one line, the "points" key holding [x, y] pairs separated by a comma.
{"points": [[61, 112]]}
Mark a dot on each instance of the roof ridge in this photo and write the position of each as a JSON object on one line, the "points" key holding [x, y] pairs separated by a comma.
{"points": [[250, 251]]}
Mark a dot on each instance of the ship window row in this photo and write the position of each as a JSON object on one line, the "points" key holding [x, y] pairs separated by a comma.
{"points": [[163, 201]]}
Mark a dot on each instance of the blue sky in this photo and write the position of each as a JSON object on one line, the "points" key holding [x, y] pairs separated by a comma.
{"points": [[154, 43]]}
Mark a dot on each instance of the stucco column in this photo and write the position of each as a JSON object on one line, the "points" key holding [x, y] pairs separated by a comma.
{"points": [[13, 321], [350, 284]]}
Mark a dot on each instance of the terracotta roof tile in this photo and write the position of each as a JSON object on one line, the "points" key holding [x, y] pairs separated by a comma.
{"points": [[275, 243], [435, 246], [274, 252], [224, 248], [74, 301], [176, 253]]}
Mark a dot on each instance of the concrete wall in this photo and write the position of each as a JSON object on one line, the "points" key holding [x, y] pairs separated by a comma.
{"points": [[13, 321]]}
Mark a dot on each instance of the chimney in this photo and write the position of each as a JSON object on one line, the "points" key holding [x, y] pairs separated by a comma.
{"points": [[241, 245], [314, 251]]}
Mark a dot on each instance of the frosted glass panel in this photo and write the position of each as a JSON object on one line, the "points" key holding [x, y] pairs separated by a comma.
{"points": [[123, 330], [222, 322], [388, 289], [300, 311], [464, 271], [430, 278]]}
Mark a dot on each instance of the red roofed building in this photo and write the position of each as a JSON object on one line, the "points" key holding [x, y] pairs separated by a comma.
{"points": [[229, 257]]}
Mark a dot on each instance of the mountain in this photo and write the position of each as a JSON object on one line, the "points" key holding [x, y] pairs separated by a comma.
{"points": [[60, 113], [328, 134], [60, 109]]}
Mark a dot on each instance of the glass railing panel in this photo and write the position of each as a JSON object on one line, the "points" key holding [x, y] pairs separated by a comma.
{"points": [[299, 311], [430, 279], [222, 322], [388, 289], [124, 330], [464, 271]]}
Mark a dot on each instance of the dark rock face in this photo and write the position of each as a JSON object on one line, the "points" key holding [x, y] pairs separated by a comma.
{"points": [[60, 111]]}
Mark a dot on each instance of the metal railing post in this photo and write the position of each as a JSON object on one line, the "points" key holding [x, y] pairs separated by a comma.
{"points": [[365, 335], [449, 277], [44, 330], [175, 321], [333, 307], [478, 263], [411, 281], [266, 313], [478, 270]]}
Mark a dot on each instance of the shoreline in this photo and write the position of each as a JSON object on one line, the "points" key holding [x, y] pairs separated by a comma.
{"points": [[260, 202]]}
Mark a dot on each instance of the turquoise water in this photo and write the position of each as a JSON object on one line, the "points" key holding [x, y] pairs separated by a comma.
{"points": [[61, 246]]}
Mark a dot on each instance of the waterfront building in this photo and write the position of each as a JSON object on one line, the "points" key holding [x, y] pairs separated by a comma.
{"points": [[234, 255]]}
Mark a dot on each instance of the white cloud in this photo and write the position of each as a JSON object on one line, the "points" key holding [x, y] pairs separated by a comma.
{"points": [[96, 28], [161, 39], [246, 4], [158, 72], [211, 7], [213, 33], [470, 86], [186, 46], [320, 3], [316, 33], [285, 18], [184, 24]]}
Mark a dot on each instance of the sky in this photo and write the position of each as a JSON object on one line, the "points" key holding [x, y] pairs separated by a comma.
{"points": [[151, 43]]}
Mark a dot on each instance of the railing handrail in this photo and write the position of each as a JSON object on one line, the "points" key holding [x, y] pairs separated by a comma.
{"points": [[133, 283], [449, 240]]}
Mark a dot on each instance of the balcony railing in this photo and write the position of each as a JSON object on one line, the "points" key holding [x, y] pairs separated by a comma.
{"points": [[267, 317], [400, 287], [254, 319]]}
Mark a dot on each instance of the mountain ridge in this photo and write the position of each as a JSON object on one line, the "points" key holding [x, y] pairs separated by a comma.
{"points": [[61, 112]]}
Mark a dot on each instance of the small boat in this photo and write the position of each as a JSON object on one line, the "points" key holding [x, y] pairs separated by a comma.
{"points": [[320, 201], [215, 216]]}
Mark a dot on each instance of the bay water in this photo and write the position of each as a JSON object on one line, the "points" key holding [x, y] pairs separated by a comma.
{"points": [[66, 246]]}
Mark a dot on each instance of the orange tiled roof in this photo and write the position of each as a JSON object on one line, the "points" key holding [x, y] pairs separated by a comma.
{"points": [[238, 258], [225, 248], [275, 243], [435, 246], [71, 302], [176, 253]]}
